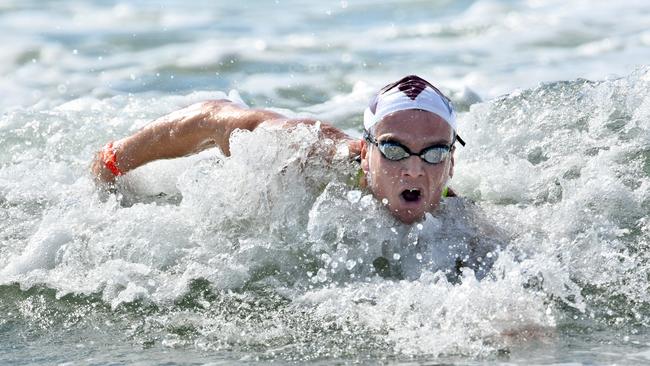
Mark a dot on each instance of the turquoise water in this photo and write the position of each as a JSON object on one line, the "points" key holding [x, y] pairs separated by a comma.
{"points": [[267, 256]]}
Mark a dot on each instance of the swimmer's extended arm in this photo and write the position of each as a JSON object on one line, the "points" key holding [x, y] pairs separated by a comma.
{"points": [[184, 132], [193, 129]]}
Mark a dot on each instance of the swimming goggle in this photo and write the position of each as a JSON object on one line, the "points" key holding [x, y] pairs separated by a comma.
{"points": [[395, 151]]}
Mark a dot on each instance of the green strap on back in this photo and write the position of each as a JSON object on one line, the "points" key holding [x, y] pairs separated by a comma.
{"points": [[358, 178]]}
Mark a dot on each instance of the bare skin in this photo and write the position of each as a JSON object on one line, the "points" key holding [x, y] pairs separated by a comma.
{"points": [[196, 128], [210, 124]]}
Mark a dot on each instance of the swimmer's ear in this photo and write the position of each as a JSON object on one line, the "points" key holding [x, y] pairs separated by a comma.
{"points": [[364, 173], [364, 157]]}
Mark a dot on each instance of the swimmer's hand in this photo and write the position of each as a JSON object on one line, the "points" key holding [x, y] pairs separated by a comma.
{"points": [[103, 177]]}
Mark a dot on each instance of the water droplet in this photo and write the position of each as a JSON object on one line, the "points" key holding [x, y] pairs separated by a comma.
{"points": [[74, 52], [321, 275], [420, 226], [354, 196], [396, 256], [418, 256], [350, 264]]}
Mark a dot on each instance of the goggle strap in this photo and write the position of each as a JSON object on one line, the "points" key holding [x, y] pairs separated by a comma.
{"points": [[460, 140]]}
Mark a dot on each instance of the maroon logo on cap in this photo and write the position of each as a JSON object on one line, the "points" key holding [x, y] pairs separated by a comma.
{"points": [[412, 86]]}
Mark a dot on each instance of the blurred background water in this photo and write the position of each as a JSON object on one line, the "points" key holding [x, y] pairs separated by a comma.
{"points": [[218, 260]]}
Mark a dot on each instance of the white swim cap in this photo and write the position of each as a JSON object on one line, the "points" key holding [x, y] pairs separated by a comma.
{"points": [[411, 92]]}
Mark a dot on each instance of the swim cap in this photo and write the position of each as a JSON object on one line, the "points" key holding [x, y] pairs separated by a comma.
{"points": [[411, 92]]}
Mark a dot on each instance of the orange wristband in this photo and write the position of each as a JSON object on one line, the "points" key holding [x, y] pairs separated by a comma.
{"points": [[110, 159]]}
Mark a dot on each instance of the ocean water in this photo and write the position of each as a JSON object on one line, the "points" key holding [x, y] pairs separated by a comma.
{"points": [[270, 255]]}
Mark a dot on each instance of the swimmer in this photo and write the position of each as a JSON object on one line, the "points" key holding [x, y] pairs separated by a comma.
{"points": [[406, 153]]}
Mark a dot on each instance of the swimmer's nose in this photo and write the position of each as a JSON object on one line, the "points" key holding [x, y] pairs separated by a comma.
{"points": [[412, 167]]}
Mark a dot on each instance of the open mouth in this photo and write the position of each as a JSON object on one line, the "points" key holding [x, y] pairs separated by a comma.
{"points": [[411, 195]]}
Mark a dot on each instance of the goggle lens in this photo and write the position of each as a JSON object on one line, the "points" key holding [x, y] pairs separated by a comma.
{"points": [[393, 151], [434, 155]]}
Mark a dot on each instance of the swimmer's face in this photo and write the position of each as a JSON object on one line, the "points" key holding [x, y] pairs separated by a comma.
{"points": [[410, 187]]}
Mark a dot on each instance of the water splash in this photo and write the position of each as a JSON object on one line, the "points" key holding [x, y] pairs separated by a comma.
{"points": [[274, 251]]}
